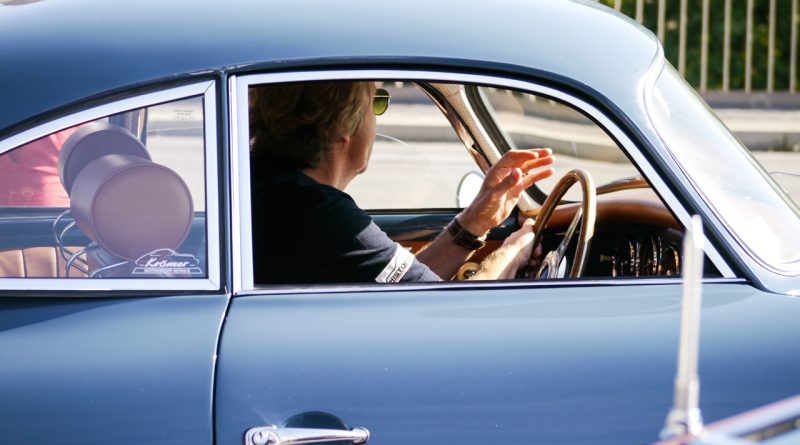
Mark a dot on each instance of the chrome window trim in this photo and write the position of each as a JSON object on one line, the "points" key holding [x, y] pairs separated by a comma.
{"points": [[212, 282], [241, 234], [242, 253], [484, 285]]}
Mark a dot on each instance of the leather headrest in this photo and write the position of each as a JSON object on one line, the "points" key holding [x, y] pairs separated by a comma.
{"points": [[92, 141], [131, 206]]}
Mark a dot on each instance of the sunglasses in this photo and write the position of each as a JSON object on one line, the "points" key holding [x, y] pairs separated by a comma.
{"points": [[380, 102]]}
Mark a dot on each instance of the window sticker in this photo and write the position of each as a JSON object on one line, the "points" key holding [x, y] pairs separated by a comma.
{"points": [[167, 261]]}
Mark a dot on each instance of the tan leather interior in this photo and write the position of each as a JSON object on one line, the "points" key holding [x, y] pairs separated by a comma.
{"points": [[34, 262], [616, 211]]}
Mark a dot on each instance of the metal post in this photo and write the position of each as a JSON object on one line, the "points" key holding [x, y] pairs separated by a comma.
{"points": [[640, 11], [793, 49], [704, 48], [748, 64], [685, 417], [771, 49], [726, 49], [662, 12], [682, 41]]}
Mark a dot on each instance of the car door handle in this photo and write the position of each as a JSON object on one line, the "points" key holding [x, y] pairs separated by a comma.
{"points": [[272, 435]]}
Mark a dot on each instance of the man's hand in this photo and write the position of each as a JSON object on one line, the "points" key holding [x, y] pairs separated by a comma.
{"points": [[502, 187], [503, 263]]}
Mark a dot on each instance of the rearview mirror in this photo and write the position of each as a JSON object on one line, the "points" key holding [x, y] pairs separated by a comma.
{"points": [[468, 188]]}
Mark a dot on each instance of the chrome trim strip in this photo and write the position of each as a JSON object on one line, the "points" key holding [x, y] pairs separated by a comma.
{"points": [[121, 285], [212, 282], [244, 82], [482, 285], [241, 222], [213, 257], [104, 110]]}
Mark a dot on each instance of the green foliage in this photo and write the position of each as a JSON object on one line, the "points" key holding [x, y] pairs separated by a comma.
{"points": [[783, 24]]}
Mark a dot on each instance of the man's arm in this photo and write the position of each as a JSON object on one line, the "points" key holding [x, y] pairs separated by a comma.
{"points": [[499, 194]]}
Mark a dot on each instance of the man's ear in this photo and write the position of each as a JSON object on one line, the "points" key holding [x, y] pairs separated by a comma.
{"points": [[344, 140]]}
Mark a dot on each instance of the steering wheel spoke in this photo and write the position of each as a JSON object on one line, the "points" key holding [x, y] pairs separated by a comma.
{"points": [[584, 217]]}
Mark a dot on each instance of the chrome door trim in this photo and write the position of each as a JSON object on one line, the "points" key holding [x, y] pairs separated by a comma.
{"points": [[483, 285], [243, 253], [213, 261]]}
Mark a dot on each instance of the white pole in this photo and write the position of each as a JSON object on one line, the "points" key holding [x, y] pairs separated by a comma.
{"points": [[793, 49], [726, 49], [748, 65], [771, 49], [682, 41], [704, 48], [640, 11]]}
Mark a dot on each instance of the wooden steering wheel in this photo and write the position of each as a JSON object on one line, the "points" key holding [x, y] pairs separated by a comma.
{"points": [[586, 214]]}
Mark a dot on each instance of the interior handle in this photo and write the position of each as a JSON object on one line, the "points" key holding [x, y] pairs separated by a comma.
{"points": [[272, 435]]}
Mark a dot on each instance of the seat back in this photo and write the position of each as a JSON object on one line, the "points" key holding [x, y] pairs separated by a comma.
{"points": [[35, 262]]}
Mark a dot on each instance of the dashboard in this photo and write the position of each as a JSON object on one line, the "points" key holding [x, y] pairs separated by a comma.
{"points": [[635, 251], [633, 237]]}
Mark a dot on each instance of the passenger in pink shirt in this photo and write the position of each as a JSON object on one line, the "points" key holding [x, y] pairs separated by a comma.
{"points": [[29, 174]]}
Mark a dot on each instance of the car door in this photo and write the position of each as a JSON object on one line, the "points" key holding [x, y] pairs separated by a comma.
{"points": [[111, 303], [570, 361]]}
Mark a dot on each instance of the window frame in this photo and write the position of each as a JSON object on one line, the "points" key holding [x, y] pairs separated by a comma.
{"points": [[242, 255], [212, 281]]}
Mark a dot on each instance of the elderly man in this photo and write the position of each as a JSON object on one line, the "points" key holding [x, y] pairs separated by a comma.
{"points": [[309, 140]]}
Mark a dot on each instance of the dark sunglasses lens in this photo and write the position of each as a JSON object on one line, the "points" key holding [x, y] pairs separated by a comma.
{"points": [[380, 102]]}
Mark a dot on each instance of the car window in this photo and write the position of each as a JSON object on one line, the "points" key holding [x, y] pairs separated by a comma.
{"points": [[417, 160], [528, 121], [122, 196], [755, 208], [307, 230]]}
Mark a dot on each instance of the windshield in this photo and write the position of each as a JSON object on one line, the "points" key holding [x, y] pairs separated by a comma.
{"points": [[530, 121], [757, 212]]}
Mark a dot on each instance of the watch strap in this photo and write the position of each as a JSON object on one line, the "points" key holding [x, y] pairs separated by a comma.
{"points": [[463, 237]]}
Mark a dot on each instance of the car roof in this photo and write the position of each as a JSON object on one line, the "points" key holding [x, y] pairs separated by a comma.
{"points": [[60, 53]]}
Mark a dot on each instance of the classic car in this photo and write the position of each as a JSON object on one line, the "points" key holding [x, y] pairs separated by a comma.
{"points": [[129, 312]]}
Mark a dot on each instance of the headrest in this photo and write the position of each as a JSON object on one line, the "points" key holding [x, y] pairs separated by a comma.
{"points": [[92, 141], [131, 206]]}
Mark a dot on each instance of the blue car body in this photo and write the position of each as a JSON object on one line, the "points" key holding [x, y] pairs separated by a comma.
{"points": [[515, 362]]}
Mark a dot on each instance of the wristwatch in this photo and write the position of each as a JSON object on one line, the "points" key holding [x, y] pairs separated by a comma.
{"points": [[464, 238]]}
